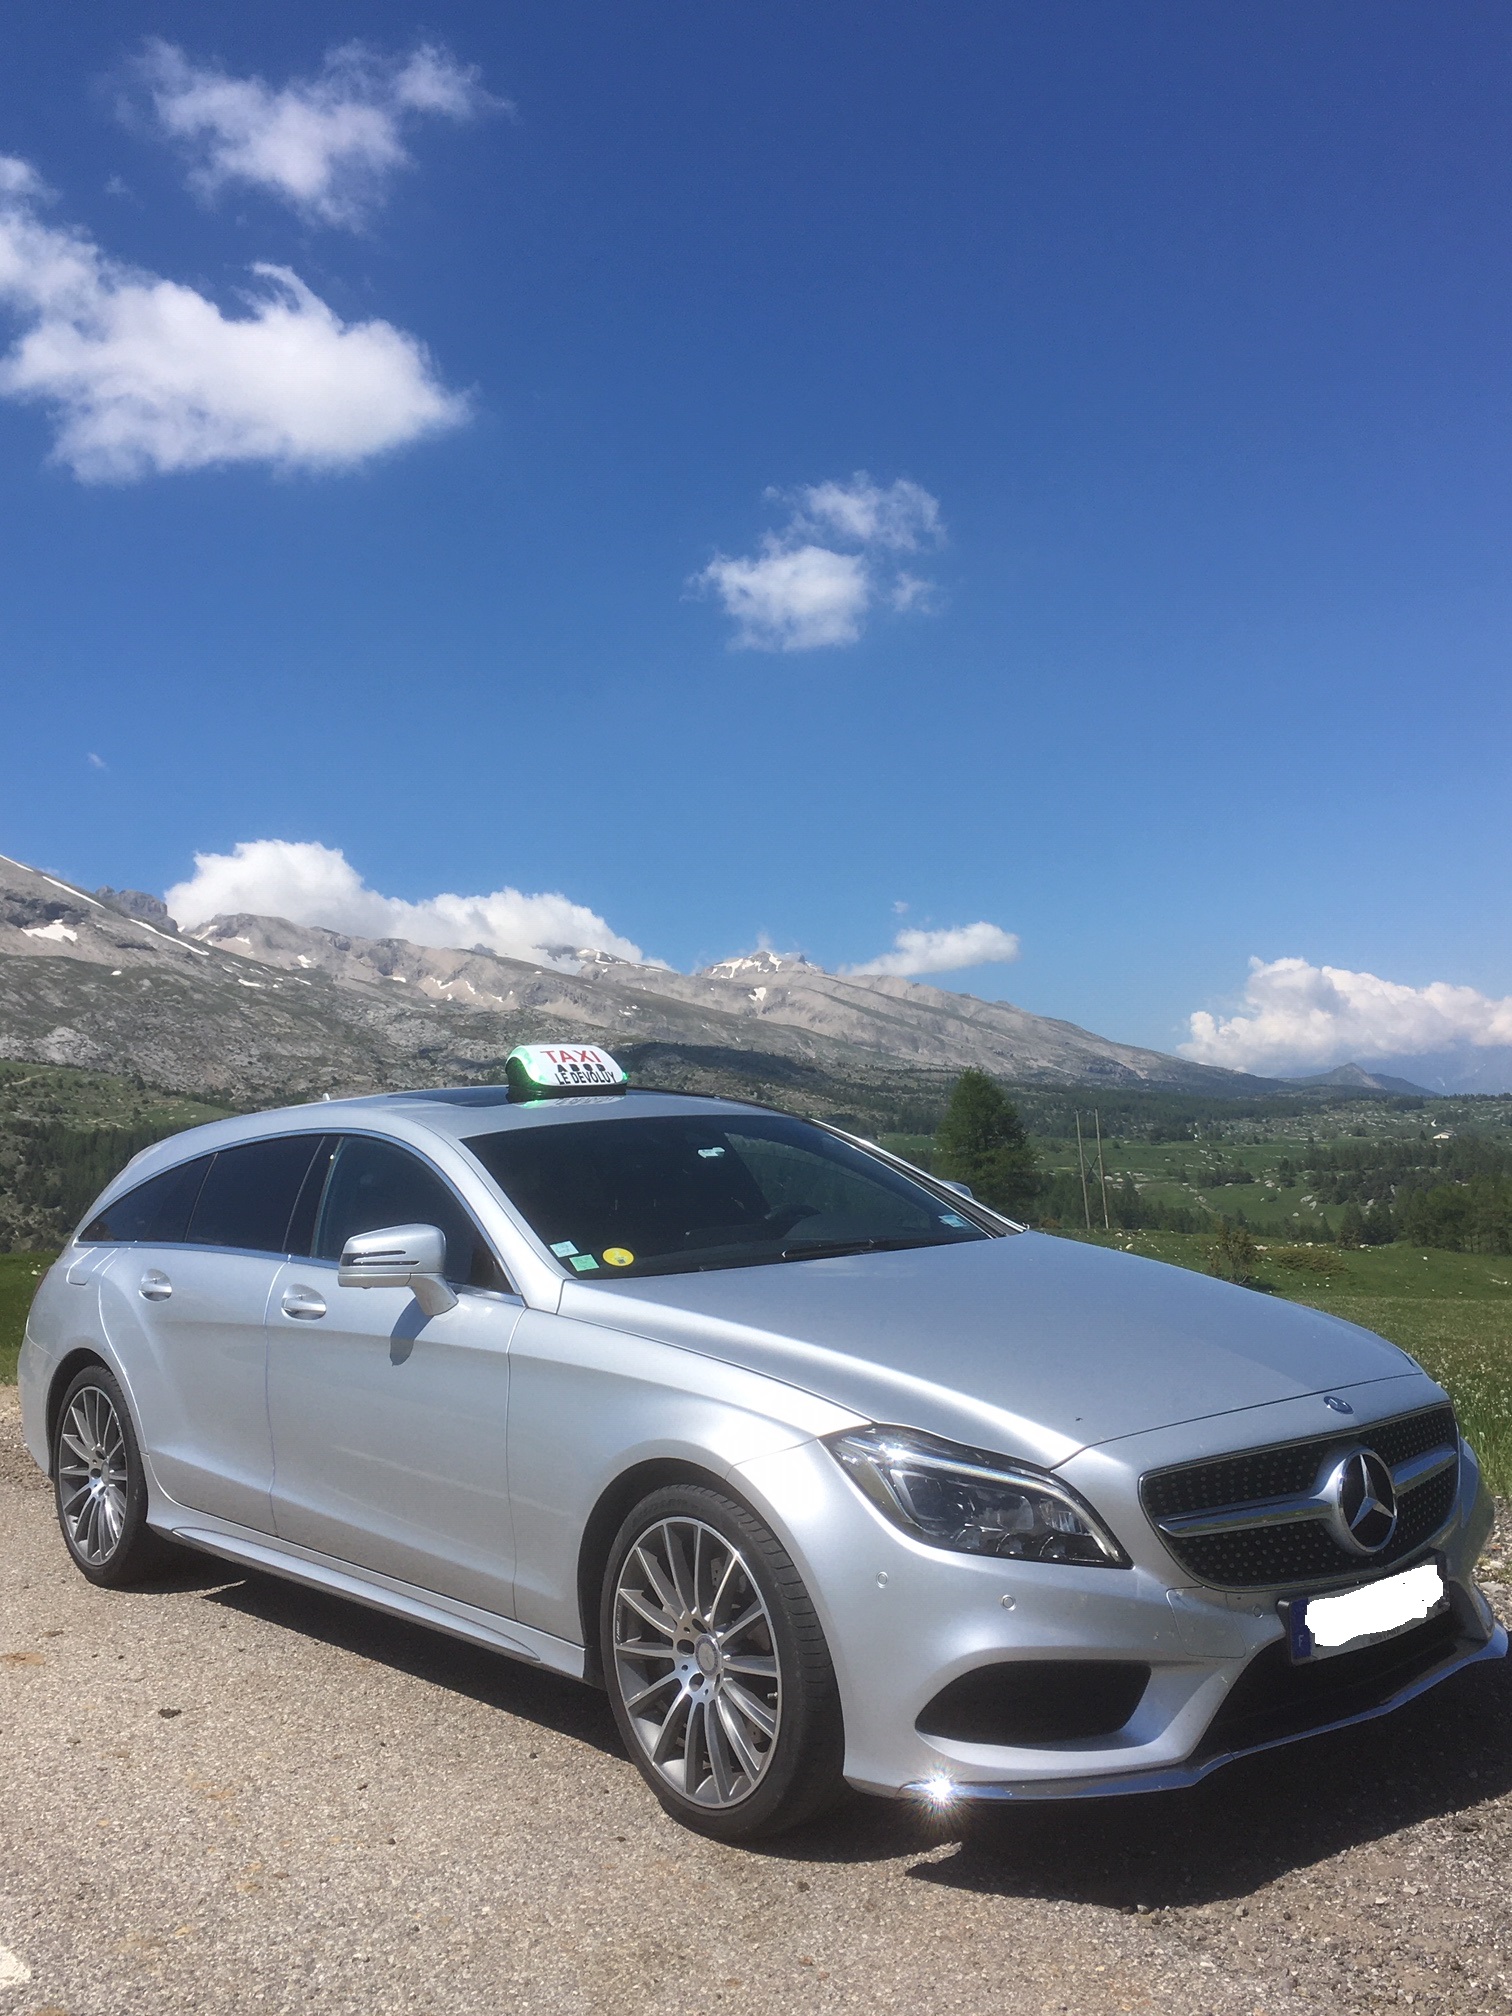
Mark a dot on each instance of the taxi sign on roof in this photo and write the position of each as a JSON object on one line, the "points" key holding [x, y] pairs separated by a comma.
{"points": [[546, 1070]]}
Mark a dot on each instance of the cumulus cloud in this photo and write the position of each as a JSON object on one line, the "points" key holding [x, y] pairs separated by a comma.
{"points": [[146, 375], [310, 884], [1296, 1016], [916, 952], [816, 580], [792, 598], [901, 518], [327, 145]]}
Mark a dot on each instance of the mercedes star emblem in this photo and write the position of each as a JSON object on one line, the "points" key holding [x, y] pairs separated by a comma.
{"points": [[1361, 1501]]}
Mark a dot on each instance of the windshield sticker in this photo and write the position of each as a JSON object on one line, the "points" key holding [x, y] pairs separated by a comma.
{"points": [[584, 1263], [563, 1249], [951, 1218], [706, 1153], [618, 1256]]}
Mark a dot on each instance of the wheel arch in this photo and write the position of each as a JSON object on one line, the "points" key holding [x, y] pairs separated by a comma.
{"points": [[605, 1520], [69, 1366]]}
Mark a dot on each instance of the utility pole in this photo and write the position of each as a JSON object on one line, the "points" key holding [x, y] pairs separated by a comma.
{"points": [[1102, 1174], [1081, 1163]]}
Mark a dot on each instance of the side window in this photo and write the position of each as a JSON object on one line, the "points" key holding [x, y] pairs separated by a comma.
{"points": [[156, 1213], [248, 1197], [374, 1183]]}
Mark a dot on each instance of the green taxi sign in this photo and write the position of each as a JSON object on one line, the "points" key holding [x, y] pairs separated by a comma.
{"points": [[550, 1070]]}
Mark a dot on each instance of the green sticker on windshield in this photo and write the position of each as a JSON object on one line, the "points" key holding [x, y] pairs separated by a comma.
{"points": [[584, 1263]]}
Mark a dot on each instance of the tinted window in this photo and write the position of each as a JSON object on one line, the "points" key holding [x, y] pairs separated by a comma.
{"points": [[156, 1212], [248, 1196], [301, 1234], [373, 1184], [682, 1193]]}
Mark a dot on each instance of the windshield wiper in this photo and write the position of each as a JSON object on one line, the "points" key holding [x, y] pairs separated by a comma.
{"points": [[830, 1249]]}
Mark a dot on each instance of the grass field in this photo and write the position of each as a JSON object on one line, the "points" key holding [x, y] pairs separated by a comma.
{"points": [[19, 1275], [1452, 1311]]}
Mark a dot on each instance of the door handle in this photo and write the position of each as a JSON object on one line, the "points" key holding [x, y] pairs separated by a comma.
{"points": [[155, 1286], [302, 1303]]}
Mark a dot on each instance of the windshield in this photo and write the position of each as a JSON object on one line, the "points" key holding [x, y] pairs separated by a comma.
{"points": [[688, 1192]]}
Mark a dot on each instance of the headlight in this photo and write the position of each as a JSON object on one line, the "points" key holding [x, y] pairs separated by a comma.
{"points": [[971, 1503]]}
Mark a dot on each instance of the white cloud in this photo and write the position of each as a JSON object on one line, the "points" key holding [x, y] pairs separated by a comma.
{"points": [[803, 589], [792, 598], [144, 374], [310, 884], [902, 517], [917, 952], [1296, 1016], [327, 145], [96, 762]]}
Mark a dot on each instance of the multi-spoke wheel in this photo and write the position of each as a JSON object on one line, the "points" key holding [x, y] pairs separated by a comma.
{"points": [[98, 1483], [717, 1667]]}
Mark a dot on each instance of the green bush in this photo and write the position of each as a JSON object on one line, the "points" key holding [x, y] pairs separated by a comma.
{"points": [[1233, 1255], [1307, 1259]]}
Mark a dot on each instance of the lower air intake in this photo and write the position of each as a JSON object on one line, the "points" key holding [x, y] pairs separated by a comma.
{"points": [[1026, 1701]]}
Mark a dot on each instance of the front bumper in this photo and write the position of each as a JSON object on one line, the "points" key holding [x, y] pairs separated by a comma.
{"points": [[904, 1620]]}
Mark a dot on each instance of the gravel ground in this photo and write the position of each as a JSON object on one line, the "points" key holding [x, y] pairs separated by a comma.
{"points": [[225, 1793]]}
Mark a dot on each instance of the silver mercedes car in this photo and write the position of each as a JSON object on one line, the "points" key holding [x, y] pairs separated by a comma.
{"points": [[825, 1472]]}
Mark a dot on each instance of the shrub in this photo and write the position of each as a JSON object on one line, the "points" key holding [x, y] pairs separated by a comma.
{"points": [[1307, 1259], [1233, 1255]]}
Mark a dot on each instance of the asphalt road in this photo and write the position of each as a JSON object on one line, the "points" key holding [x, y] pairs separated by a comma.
{"points": [[224, 1793]]}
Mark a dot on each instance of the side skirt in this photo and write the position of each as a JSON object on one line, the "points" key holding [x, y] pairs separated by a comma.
{"points": [[378, 1592]]}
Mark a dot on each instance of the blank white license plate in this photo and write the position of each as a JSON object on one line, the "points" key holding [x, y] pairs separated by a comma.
{"points": [[1321, 1626]]}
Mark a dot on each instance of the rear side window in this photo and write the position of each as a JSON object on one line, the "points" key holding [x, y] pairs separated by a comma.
{"points": [[374, 1183], [155, 1213], [248, 1197]]}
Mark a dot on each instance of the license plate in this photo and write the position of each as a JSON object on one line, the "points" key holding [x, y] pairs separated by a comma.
{"points": [[1320, 1627]]}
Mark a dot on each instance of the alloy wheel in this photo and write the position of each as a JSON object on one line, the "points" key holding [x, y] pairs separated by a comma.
{"points": [[92, 1475], [696, 1661]]}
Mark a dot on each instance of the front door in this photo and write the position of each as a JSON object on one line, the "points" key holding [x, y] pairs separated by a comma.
{"points": [[388, 1426]]}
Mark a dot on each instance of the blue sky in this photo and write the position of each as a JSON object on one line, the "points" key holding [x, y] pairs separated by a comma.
{"points": [[521, 545]]}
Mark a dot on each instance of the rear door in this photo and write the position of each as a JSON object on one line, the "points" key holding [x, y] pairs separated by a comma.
{"points": [[185, 1312], [388, 1426]]}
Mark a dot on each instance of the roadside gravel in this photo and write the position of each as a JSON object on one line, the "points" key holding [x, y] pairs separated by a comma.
{"points": [[225, 1793]]}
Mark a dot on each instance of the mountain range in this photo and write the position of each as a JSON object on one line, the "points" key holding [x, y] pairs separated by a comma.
{"points": [[248, 1008]]}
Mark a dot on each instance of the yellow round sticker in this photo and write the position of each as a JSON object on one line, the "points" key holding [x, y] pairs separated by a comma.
{"points": [[618, 1256]]}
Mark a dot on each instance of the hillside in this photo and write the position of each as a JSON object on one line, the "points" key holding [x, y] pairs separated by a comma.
{"points": [[250, 1008]]}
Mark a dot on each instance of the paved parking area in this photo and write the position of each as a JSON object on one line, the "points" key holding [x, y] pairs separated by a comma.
{"points": [[224, 1793]]}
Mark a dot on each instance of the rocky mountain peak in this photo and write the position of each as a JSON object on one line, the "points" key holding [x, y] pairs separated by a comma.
{"points": [[762, 965]]}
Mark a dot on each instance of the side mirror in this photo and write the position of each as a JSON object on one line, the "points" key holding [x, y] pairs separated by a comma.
{"points": [[400, 1256], [961, 1189]]}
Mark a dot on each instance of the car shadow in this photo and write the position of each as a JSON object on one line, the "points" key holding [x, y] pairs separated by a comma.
{"points": [[1249, 1823], [528, 1692]]}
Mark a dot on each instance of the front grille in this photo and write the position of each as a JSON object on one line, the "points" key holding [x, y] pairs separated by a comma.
{"points": [[1260, 1557], [1273, 1700]]}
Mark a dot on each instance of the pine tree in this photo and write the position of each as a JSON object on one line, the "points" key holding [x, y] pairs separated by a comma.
{"points": [[981, 1142], [1352, 1226]]}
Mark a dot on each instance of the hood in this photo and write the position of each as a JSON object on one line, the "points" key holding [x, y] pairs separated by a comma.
{"points": [[1031, 1345]]}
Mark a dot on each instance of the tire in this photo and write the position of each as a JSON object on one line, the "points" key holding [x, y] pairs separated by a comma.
{"points": [[100, 1487], [736, 1724]]}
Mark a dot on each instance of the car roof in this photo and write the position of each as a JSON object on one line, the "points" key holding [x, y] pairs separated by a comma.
{"points": [[454, 1113], [461, 1112]]}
